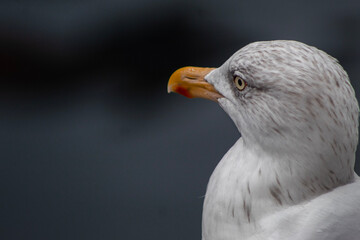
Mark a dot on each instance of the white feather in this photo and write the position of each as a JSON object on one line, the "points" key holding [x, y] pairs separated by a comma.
{"points": [[291, 174]]}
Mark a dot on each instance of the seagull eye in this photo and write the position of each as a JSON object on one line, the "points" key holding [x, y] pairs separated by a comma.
{"points": [[240, 83]]}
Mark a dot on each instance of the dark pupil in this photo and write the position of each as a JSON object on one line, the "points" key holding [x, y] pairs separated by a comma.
{"points": [[240, 82]]}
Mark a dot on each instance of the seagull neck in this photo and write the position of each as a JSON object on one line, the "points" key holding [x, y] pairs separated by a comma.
{"points": [[282, 178], [249, 184]]}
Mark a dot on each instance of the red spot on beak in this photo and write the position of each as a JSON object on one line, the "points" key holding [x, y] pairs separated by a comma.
{"points": [[183, 91]]}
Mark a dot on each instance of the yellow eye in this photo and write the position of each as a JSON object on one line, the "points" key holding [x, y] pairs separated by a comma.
{"points": [[240, 83]]}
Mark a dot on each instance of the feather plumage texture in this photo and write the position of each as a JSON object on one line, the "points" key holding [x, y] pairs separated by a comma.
{"points": [[291, 174]]}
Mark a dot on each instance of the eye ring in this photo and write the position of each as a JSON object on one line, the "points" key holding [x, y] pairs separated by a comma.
{"points": [[240, 83]]}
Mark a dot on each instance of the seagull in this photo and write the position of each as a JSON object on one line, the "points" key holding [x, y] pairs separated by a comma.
{"points": [[291, 173]]}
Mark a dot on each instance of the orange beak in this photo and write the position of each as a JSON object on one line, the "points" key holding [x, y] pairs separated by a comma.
{"points": [[190, 82]]}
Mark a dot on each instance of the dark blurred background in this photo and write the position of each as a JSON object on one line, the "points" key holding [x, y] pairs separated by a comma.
{"points": [[92, 146]]}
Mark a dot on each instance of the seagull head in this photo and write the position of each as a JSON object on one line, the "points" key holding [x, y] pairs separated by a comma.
{"points": [[287, 99]]}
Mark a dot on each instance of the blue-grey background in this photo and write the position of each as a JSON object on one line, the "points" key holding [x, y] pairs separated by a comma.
{"points": [[92, 146]]}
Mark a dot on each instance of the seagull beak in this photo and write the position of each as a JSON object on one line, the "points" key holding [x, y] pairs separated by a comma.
{"points": [[190, 82]]}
